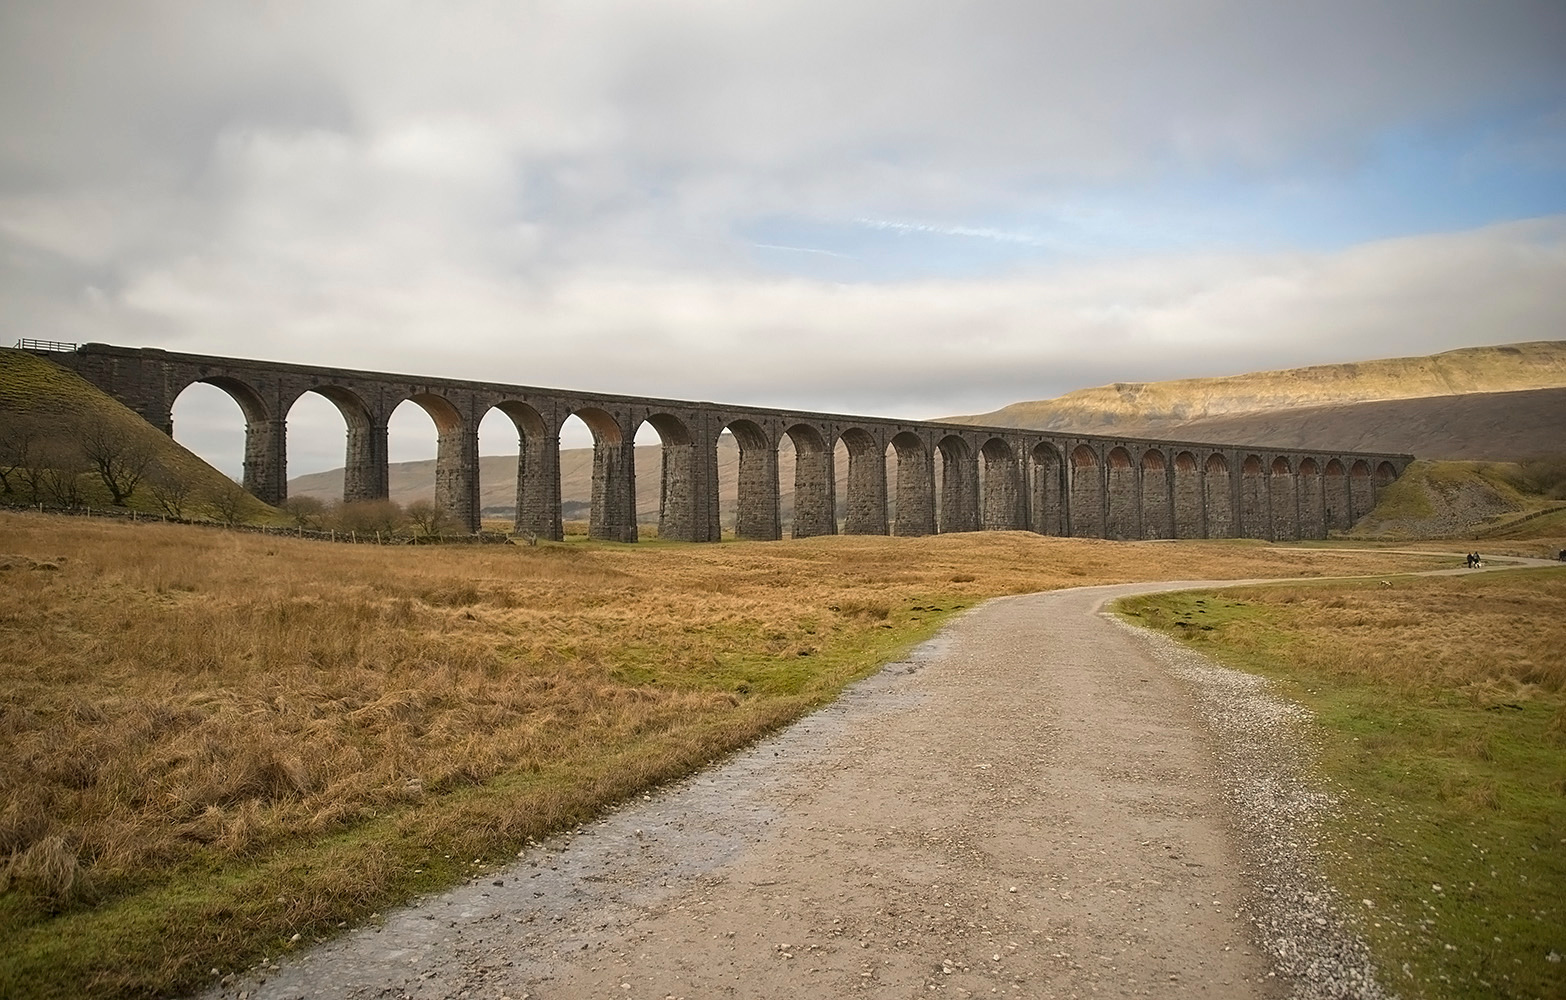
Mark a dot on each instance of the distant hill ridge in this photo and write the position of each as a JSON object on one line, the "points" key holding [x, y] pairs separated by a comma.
{"points": [[1147, 407]]}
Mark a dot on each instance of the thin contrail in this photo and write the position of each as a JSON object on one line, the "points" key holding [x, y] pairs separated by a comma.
{"points": [[983, 233], [824, 253]]}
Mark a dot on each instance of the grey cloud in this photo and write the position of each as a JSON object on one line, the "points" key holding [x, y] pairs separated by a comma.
{"points": [[929, 348], [552, 193]]}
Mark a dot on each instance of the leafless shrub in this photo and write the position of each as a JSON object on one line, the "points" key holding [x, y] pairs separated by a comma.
{"points": [[170, 490], [1545, 475], [228, 503], [60, 477], [369, 516], [427, 517], [307, 511]]}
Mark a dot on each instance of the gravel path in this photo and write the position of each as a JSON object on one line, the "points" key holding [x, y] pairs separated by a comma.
{"points": [[1039, 802]]}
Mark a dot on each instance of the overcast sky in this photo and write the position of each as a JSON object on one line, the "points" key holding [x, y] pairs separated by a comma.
{"points": [[900, 208]]}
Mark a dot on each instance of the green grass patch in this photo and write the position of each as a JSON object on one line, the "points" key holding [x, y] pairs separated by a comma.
{"points": [[1443, 724]]}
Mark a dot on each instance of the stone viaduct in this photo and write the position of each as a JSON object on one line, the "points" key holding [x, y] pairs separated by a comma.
{"points": [[989, 477]]}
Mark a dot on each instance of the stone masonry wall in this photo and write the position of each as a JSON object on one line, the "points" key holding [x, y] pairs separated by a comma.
{"points": [[1094, 488]]}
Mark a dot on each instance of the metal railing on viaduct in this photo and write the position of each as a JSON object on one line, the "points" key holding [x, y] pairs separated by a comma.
{"points": [[990, 477]]}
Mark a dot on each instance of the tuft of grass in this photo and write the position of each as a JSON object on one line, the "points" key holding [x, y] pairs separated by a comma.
{"points": [[1441, 705]]}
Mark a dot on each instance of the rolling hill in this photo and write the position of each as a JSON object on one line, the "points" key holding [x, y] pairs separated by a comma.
{"points": [[1160, 407], [1480, 403]]}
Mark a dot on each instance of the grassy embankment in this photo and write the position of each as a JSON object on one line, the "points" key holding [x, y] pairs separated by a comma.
{"points": [[1441, 704], [1471, 499], [211, 742], [50, 403]]}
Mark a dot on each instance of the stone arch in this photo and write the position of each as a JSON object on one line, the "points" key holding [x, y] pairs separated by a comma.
{"points": [[677, 485], [249, 399], [612, 513], [605, 428], [1283, 501], [1047, 478], [456, 457], [1362, 493], [1385, 475], [1086, 511], [1335, 496], [1187, 492], [914, 500], [815, 487], [1313, 515], [365, 455], [757, 514], [1157, 496], [866, 513], [263, 461], [1219, 494], [1124, 498], [959, 498], [441, 410], [538, 471], [1255, 519], [1000, 487]]}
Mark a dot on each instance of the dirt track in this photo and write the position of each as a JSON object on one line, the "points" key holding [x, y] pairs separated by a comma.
{"points": [[1029, 806]]}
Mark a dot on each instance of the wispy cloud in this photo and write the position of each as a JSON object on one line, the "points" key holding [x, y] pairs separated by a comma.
{"points": [[973, 232], [824, 253]]}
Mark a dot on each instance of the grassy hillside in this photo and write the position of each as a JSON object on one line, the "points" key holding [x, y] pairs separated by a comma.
{"points": [[1189, 404], [1469, 500], [42, 410]]}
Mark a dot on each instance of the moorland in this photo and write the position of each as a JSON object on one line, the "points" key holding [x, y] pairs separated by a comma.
{"points": [[214, 741], [217, 746]]}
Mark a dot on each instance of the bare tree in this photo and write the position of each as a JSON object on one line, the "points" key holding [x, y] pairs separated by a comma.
{"points": [[33, 449], [306, 511], [119, 457], [228, 503], [19, 444], [427, 517], [170, 490], [61, 475]]}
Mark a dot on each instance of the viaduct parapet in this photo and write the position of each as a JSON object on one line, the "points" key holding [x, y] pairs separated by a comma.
{"points": [[1088, 486]]}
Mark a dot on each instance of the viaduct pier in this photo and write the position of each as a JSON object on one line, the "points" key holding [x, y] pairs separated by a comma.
{"points": [[998, 478]]}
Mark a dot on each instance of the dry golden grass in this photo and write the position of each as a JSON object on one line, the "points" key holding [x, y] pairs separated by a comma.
{"points": [[247, 720], [1491, 637]]}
